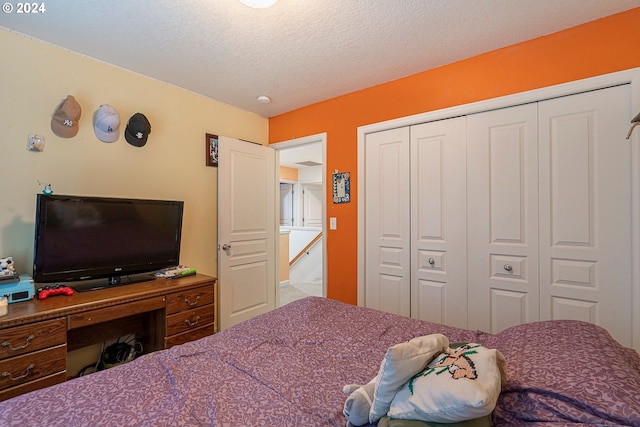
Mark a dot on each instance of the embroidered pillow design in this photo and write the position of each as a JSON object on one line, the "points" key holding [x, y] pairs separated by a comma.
{"points": [[458, 385]]}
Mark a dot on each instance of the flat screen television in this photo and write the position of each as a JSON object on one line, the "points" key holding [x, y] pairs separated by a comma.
{"points": [[95, 242]]}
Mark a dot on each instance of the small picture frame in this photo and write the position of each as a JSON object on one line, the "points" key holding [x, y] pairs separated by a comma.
{"points": [[35, 143], [211, 146], [341, 187]]}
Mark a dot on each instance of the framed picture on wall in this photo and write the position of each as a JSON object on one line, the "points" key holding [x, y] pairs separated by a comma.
{"points": [[341, 187], [211, 145]]}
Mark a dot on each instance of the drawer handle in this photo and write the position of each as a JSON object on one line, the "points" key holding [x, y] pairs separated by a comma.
{"points": [[508, 268], [191, 304], [432, 262], [22, 347], [26, 374], [194, 323]]}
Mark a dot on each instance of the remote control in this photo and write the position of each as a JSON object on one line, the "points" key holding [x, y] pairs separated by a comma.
{"points": [[178, 271], [183, 273]]}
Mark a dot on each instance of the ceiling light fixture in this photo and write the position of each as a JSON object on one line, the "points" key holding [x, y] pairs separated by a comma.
{"points": [[263, 99], [258, 4]]}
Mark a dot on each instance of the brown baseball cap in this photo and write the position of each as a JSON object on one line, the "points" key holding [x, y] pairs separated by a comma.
{"points": [[64, 122]]}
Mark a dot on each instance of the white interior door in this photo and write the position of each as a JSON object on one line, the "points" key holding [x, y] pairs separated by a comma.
{"points": [[312, 205], [502, 197], [387, 223], [439, 222], [246, 230], [585, 210], [286, 204]]}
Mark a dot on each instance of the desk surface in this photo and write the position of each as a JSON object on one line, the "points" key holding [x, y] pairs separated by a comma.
{"points": [[62, 305]]}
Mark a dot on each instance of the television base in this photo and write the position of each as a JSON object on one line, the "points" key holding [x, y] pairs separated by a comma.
{"points": [[110, 282]]}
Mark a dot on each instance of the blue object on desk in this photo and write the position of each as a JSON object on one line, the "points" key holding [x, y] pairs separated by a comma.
{"points": [[23, 290]]}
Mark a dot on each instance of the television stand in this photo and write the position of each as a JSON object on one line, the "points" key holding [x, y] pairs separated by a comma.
{"points": [[38, 334], [110, 282]]}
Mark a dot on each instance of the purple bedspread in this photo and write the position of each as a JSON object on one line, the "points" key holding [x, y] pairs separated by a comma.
{"points": [[288, 367]]}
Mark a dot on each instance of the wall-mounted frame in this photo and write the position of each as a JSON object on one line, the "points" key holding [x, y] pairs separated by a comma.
{"points": [[341, 187], [211, 145]]}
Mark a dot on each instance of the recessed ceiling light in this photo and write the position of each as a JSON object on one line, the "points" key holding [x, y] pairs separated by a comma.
{"points": [[264, 99], [259, 4]]}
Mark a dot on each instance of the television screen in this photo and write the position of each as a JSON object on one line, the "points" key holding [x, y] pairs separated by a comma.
{"points": [[81, 238]]}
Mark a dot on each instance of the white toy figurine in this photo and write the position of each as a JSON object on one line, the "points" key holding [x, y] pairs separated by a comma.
{"points": [[6, 267]]}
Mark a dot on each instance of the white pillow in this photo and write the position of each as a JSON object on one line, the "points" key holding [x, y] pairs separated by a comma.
{"points": [[401, 362], [460, 384]]}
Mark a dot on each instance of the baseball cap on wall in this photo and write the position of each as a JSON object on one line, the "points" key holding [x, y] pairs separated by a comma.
{"points": [[137, 130], [64, 122], [107, 124]]}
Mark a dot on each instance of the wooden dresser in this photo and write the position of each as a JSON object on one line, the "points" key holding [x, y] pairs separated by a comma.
{"points": [[35, 335]]}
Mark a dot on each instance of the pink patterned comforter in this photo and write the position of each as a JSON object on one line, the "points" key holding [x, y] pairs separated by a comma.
{"points": [[287, 368]]}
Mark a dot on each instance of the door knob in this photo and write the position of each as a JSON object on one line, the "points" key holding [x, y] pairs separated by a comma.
{"points": [[226, 247]]}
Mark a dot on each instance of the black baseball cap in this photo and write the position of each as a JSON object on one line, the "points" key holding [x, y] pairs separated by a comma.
{"points": [[137, 130]]}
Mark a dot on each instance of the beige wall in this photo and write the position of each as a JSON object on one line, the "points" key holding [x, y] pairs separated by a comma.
{"points": [[289, 174], [35, 77], [283, 256]]}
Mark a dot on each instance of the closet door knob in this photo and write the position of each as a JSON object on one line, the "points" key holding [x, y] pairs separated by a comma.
{"points": [[508, 267]]}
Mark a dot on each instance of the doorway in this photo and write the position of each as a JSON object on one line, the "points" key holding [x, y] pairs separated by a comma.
{"points": [[302, 213]]}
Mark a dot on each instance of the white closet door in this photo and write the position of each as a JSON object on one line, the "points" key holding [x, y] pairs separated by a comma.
{"points": [[502, 202], [438, 222], [585, 210], [387, 221]]}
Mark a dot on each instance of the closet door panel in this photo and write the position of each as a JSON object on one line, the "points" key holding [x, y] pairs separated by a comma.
{"points": [[512, 308], [438, 222], [432, 300], [502, 201], [387, 221], [506, 157], [585, 206]]}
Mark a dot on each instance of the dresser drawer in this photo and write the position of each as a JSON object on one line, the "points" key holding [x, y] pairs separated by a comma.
{"points": [[25, 339], [190, 335], [23, 388], [189, 299], [190, 319], [119, 311], [28, 367]]}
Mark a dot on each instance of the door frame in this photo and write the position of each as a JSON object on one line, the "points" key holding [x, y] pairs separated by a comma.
{"points": [[631, 76], [317, 138]]}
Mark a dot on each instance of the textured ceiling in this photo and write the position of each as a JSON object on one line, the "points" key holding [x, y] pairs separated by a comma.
{"points": [[299, 51]]}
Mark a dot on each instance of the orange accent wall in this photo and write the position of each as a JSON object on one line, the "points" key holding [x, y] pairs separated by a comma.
{"points": [[599, 47]]}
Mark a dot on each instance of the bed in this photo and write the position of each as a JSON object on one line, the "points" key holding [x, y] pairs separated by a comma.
{"points": [[288, 368]]}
